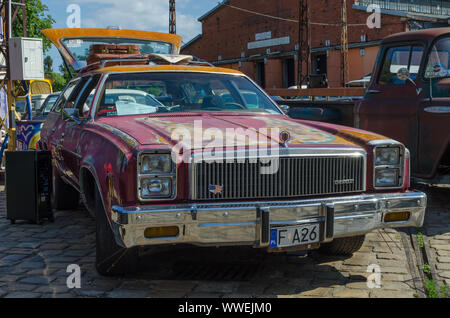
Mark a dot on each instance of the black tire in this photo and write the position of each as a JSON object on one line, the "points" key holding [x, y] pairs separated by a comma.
{"points": [[64, 196], [111, 259], [343, 246]]}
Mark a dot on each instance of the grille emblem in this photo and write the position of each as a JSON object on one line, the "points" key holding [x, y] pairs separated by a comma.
{"points": [[215, 189], [344, 181]]}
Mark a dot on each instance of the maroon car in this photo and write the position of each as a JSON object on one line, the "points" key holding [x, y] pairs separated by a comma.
{"points": [[166, 150]]}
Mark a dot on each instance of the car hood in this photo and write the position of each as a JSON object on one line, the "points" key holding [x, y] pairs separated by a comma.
{"points": [[210, 130]]}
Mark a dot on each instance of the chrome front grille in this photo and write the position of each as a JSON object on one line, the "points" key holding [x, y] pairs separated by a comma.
{"points": [[296, 177]]}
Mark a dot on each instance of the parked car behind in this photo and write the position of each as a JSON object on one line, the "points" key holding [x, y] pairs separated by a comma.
{"points": [[46, 106]]}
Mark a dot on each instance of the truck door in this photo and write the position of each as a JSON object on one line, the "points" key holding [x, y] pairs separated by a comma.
{"points": [[434, 116], [390, 105]]}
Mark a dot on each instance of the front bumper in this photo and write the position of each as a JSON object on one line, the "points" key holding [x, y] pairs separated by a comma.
{"points": [[249, 223]]}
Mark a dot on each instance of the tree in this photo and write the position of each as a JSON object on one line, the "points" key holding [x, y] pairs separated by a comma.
{"points": [[37, 20], [58, 81], [48, 65], [65, 73]]}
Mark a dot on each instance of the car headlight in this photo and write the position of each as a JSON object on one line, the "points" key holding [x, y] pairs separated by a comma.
{"points": [[156, 187], [387, 156], [156, 173], [156, 163], [386, 177], [388, 164]]}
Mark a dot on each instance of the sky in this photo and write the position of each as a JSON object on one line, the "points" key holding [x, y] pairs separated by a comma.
{"points": [[151, 15]]}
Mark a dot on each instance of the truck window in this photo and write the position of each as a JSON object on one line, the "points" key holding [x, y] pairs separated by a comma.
{"points": [[439, 59], [400, 57]]}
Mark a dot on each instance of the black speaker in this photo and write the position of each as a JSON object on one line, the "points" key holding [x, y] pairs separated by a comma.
{"points": [[28, 181]]}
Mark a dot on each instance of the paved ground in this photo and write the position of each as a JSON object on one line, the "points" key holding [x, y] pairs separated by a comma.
{"points": [[34, 259]]}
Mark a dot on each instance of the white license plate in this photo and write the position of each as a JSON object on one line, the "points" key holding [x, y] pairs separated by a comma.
{"points": [[294, 235]]}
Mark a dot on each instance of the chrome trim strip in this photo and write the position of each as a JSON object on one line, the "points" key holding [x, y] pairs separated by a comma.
{"points": [[315, 220], [228, 224]]}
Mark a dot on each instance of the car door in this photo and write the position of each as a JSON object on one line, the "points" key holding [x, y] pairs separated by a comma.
{"points": [[76, 119], [54, 125], [390, 105], [434, 114]]}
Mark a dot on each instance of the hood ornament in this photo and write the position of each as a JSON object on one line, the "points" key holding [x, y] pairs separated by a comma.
{"points": [[285, 136]]}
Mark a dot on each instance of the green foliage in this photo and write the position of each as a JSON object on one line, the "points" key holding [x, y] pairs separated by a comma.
{"points": [[426, 269], [58, 81], [420, 241], [65, 73], [37, 20], [430, 287], [48, 64]]}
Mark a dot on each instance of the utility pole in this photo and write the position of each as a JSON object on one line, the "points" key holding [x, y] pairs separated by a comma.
{"points": [[344, 44], [304, 43], [172, 17], [9, 12]]}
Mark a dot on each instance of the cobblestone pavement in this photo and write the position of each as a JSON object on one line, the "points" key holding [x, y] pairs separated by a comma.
{"points": [[34, 259], [436, 232]]}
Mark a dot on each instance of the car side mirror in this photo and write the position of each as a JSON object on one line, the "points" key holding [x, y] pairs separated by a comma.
{"points": [[404, 75], [285, 108], [70, 114]]}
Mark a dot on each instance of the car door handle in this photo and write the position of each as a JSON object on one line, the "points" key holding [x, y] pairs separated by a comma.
{"points": [[373, 91]]}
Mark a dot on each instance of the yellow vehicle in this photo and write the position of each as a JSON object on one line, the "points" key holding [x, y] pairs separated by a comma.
{"points": [[38, 90]]}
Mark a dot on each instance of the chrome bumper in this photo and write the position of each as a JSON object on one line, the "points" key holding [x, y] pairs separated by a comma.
{"points": [[249, 223]]}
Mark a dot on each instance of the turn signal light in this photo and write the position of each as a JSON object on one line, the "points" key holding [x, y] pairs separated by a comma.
{"points": [[161, 231], [396, 217]]}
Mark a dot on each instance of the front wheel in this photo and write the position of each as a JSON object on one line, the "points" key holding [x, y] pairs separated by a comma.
{"points": [[343, 246], [111, 259]]}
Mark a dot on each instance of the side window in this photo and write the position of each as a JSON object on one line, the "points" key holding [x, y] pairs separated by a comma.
{"points": [[84, 101], [70, 102], [65, 95], [438, 64], [408, 57]]}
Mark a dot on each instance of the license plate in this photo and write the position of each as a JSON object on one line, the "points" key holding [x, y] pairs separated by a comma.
{"points": [[294, 235]]}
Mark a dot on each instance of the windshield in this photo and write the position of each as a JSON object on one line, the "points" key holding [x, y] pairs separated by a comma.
{"points": [[49, 102], [182, 92], [81, 49], [438, 65], [20, 105]]}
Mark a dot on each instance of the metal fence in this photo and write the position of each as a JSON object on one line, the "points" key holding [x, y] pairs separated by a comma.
{"points": [[433, 7]]}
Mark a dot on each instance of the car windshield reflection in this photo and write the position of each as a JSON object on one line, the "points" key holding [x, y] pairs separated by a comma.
{"points": [[146, 93]]}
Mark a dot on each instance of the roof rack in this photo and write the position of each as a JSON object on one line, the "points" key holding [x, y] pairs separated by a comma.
{"points": [[149, 59]]}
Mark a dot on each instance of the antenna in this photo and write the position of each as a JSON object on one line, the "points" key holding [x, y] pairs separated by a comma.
{"points": [[172, 17]]}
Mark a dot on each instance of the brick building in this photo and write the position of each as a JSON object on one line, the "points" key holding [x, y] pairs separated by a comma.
{"points": [[260, 37]]}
